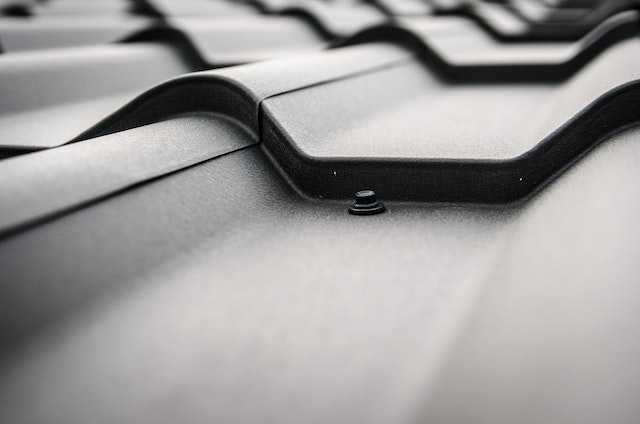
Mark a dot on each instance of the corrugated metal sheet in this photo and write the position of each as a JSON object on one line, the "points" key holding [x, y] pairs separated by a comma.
{"points": [[175, 242]]}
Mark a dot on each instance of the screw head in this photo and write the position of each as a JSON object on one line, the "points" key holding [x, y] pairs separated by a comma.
{"points": [[366, 203]]}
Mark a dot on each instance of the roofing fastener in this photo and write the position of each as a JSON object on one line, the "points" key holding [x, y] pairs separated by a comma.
{"points": [[366, 204]]}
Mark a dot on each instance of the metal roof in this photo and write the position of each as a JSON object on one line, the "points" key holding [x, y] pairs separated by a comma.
{"points": [[175, 236]]}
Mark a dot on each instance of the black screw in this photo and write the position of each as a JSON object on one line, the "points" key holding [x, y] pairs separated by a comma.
{"points": [[366, 204]]}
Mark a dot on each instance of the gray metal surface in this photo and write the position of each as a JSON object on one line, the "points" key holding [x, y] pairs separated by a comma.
{"points": [[175, 245]]}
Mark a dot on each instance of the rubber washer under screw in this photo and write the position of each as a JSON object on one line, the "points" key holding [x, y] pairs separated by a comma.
{"points": [[366, 204]]}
